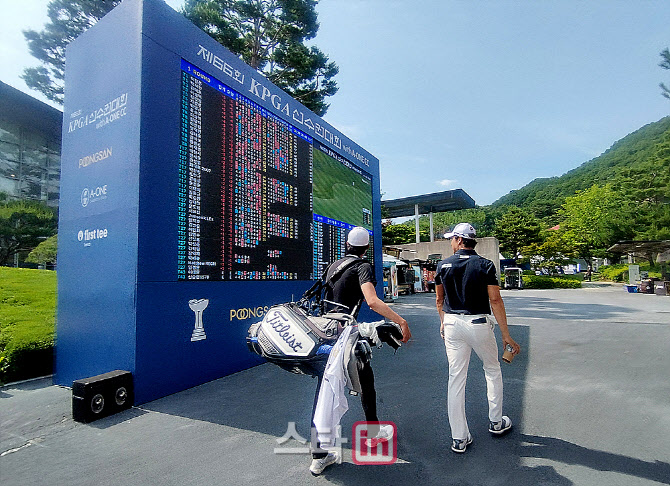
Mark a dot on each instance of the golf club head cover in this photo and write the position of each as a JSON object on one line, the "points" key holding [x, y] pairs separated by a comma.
{"points": [[390, 333]]}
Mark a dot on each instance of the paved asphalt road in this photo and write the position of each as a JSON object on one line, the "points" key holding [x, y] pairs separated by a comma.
{"points": [[589, 396]]}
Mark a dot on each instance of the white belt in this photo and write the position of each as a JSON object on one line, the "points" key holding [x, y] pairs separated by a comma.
{"points": [[471, 318]]}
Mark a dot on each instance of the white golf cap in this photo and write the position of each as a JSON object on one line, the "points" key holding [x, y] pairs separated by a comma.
{"points": [[358, 236], [464, 230]]}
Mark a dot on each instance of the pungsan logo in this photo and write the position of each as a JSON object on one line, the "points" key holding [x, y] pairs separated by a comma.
{"points": [[248, 312]]}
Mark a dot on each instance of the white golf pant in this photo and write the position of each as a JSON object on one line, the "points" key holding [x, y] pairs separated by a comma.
{"points": [[461, 336]]}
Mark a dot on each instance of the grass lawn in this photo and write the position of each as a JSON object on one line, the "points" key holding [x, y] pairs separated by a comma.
{"points": [[27, 320]]}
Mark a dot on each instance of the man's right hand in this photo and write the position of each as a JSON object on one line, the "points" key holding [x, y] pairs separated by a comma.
{"points": [[381, 308], [406, 333], [508, 340]]}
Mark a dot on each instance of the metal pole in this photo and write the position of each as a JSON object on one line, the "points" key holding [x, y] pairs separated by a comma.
{"points": [[416, 221], [432, 236]]}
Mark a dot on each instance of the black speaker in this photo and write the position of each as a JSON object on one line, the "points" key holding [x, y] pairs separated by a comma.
{"points": [[102, 395]]}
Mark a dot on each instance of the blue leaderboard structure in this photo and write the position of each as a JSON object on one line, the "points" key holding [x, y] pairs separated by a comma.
{"points": [[194, 195]]}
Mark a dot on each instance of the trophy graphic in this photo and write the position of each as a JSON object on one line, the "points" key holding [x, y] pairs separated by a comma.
{"points": [[198, 306]]}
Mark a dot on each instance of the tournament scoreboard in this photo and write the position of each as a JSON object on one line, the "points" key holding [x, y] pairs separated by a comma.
{"points": [[194, 195]]}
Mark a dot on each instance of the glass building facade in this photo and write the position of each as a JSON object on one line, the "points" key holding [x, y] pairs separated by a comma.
{"points": [[30, 135]]}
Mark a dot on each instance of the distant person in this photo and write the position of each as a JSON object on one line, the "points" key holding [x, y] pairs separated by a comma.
{"points": [[466, 288], [355, 285]]}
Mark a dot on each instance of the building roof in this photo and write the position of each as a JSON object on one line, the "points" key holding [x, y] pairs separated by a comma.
{"points": [[27, 111], [429, 203], [642, 247]]}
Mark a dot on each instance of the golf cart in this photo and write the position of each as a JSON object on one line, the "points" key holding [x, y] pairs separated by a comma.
{"points": [[513, 278]]}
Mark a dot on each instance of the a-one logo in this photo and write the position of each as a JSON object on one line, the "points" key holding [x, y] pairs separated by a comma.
{"points": [[84, 197], [198, 306], [92, 195], [374, 443]]}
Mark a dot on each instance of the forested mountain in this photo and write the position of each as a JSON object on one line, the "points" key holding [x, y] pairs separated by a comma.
{"points": [[636, 169], [638, 165]]}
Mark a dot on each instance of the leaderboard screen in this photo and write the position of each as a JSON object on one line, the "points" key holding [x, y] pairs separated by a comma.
{"points": [[342, 199], [258, 199]]}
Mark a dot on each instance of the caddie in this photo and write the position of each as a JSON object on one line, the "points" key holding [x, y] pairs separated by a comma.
{"points": [[345, 294]]}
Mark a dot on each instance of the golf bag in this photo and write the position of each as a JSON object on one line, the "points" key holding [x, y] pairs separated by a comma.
{"points": [[292, 339], [298, 336]]}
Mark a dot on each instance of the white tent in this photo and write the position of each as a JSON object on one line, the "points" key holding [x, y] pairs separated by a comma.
{"points": [[389, 258]]}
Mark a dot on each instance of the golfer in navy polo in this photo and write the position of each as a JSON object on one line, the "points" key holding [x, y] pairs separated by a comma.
{"points": [[467, 290]]}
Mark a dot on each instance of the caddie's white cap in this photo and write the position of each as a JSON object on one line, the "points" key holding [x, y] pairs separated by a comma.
{"points": [[464, 230], [358, 236]]}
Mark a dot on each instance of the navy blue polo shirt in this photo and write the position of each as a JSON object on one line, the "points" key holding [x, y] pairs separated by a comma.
{"points": [[346, 289], [465, 277]]}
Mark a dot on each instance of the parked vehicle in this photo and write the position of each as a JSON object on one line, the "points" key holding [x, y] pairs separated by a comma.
{"points": [[428, 271], [513, 278], [390, 278], [405, 279]]}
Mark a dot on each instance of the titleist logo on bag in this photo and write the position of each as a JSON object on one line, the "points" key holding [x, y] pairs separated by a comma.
{"points": [[285, 333]]}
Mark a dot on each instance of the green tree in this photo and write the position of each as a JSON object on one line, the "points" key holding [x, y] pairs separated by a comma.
{"points": [[641, 148], [45, 252], [517, 228], [444, 222], [647, 187], [479, 217], [67, 20], [23, 224], [270, 36], [550, 252], [665, 64], [386, 214], [398, 234], [594, 219]]}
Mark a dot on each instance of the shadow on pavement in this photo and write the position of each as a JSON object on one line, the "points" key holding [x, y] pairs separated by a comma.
{"points": [[569, 453], [256, 405], [28, 385], [526, 306], [411, 388]]}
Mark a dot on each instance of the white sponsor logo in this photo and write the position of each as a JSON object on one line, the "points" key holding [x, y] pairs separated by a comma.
{"points": [[95, 157], [108, 113], [198, 306], [88, 235], [93, 195], [84, 197]]}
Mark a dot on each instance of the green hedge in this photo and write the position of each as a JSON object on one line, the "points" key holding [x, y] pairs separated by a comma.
{"points": [[619, 273], [615, 273], [27, 320], [544, 282]]}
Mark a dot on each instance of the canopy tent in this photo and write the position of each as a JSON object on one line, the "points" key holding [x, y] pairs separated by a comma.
{"points": [[642, 248], [392, 259], [436, 202]]}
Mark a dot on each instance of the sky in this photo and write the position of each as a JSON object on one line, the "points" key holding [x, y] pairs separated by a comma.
{"points": [[484, 96]]}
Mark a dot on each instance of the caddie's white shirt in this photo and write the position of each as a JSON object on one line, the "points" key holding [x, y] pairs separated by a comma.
{"points": [[332, 402]]}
